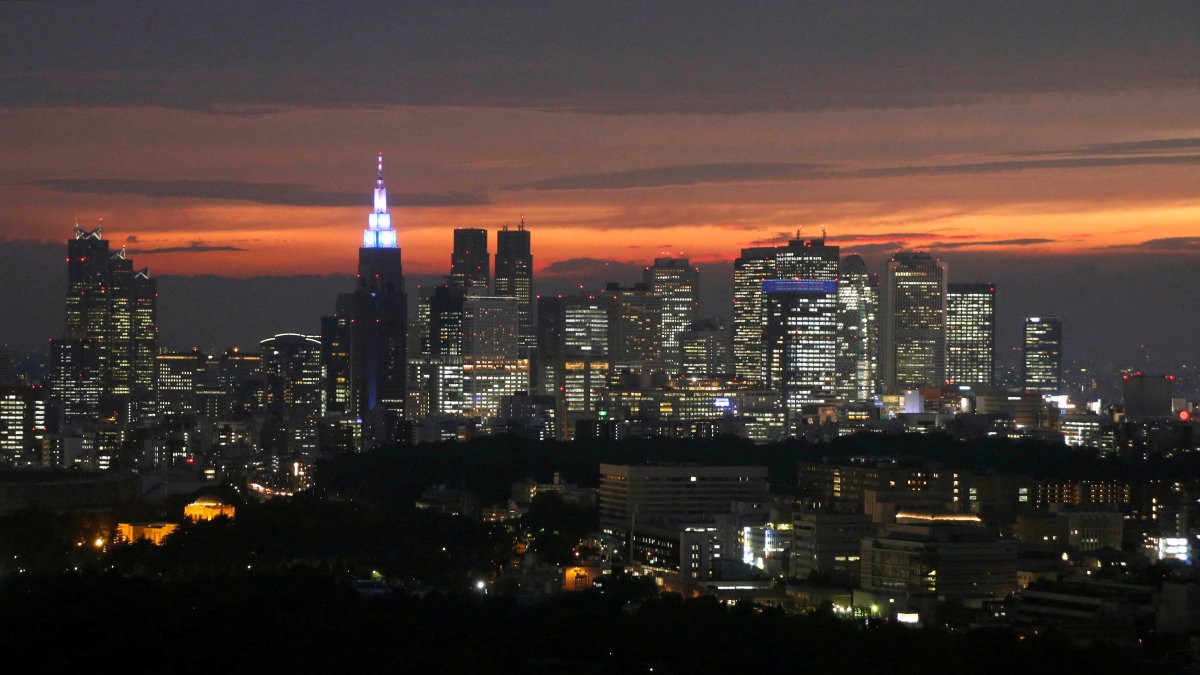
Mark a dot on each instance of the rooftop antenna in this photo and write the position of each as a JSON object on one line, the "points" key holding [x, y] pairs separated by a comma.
{"points": [[522, 225]]}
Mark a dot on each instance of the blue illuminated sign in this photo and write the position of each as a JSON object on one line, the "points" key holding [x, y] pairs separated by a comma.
{"points": [[799, 286], [721, 402]]}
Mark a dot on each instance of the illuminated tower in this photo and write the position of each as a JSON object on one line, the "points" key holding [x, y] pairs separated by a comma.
{"points": [[1042, 372], [469, 263], [514, 277], [971, 334], [492, 365], [914, 322], [755, 266], [377, 326], [677, 283], [800, 318], [636, 342], [111, 336], [858, 331]]}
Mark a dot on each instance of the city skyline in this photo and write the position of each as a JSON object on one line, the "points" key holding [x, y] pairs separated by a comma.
{"points": [[853, 334], [1076, 159]]}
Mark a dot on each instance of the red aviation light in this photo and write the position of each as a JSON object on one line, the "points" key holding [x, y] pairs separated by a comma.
{"points": [[1185, 416]]}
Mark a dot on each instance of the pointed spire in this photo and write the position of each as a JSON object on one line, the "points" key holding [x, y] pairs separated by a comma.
{"points": [[379, 232]]}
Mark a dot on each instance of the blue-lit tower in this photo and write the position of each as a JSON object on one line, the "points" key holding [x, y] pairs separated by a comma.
{"points": [[375, 321]]}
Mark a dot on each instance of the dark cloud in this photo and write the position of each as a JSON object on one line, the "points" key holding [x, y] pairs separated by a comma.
{"points": [[193, 247], [1132, 147], [777, 238], [886, 247], [683, 174], [284, 194], [1166, 244], [999, 242], [734, 172], [131, 239], [706, 56], [590, 268], [1020, 165]]}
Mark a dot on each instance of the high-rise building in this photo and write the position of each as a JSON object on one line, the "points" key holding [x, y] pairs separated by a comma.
{"points": [[756, 265], [374, 321], [858, 331], [445, 368], [293, 391], [914, 322], [1042, 371], [800, 319], [677, 283], [514, 277], [76, 381], [492, 364], [111, 309], [971, 334], [800, 340], [574, 348], [704, 350], [1147, 396], [179, 375], [469, 264], [750, 270], [23, 424], [636, 337], [239, 377]]}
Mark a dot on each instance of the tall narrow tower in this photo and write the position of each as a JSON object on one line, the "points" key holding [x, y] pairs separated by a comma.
{"points": [[514, 277], [677, 283], [858, 331], [1042, 372], [111, 337], [914, 320], [469, 264], [378, 326], [971, 334]]}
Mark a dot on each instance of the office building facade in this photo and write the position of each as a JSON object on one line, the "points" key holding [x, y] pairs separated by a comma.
{"points": [[971, 334], [914, 321]]}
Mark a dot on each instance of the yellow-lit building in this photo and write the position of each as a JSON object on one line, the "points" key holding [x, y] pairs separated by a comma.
{"points": [[155, 533], [207, 508]]}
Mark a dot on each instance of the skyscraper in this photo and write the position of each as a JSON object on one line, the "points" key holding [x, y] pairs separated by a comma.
{"points": [[514, 277], [469, 264], [293, 394], [375, 321], [636, 335], [575, 339], [971, 334], [1042, 371], [914, 322], [750, 270], [677, 283], [111, 327], [491, 358], [800, 319], [858, 331]]}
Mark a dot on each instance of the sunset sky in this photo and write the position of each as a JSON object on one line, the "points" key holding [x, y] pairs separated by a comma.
{"points": [[238, 139]]}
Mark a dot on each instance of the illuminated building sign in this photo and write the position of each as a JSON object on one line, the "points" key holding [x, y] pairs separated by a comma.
{"points": [[799, 286]]}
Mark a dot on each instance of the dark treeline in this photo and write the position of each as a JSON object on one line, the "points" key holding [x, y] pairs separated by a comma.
{"points": [[301, 622], [488, 466]]}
